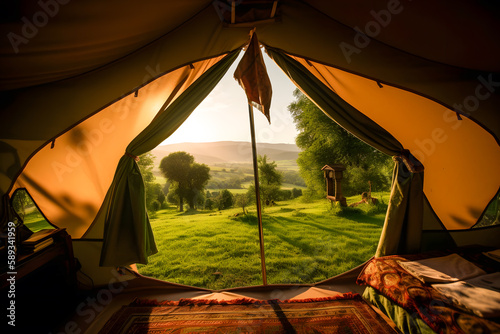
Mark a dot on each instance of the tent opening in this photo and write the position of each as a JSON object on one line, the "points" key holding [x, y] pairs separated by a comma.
{"points": [[28, 212], [213, 243]]}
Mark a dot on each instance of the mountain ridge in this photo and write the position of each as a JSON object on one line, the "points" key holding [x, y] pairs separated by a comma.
{"points": [[221, 152]]}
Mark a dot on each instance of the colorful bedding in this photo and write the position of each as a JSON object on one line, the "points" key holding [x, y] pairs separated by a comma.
{"points": [[419, 299]]}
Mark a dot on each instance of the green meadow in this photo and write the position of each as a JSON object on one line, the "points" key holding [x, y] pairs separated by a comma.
{"points": [[305, 242]]}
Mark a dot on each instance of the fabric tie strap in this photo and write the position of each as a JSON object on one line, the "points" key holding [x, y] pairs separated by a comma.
{"points": [[410, 162], [136, 158]]}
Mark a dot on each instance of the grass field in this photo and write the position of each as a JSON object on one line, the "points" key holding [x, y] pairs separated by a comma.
{"points": [[34, 220], [304, 243]]}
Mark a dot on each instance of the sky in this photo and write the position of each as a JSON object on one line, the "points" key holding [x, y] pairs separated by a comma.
{"points": [[223, 115]]}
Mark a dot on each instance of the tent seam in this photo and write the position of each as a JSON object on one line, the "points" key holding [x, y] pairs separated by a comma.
{"points": [[391, 46]]}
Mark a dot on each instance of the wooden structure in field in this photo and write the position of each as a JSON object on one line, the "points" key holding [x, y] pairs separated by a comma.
{"points": [[333, 177]]}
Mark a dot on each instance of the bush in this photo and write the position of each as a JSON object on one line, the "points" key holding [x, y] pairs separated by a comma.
{"points": [[356, 180], [285, 195], [209, 204], [155, 205], [296, 192], [225, 200]]}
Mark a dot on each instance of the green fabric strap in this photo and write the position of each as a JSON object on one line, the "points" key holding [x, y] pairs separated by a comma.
{"points": [[128, 237], [403, 223]]}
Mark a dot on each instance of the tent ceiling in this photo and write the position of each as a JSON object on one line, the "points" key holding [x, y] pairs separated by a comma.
{"points": [[460, 33], [59, 41]]}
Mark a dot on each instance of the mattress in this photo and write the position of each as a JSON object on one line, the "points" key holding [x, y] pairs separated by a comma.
{"points": [[415, 305]]}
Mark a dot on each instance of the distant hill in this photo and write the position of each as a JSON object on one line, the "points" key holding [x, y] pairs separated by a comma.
{"points": [[226, 152]]}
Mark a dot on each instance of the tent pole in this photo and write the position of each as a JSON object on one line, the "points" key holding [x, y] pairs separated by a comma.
{"points": [[257, 196]]}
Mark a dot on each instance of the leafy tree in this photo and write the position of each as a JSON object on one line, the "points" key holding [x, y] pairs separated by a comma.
{"points": [[189, 177], [242, 201], [20, 201], [269, 181], [267, 171], [209, 203], [154, 191], [324, 142], [172, 195], [146, 165], [224, 200]]}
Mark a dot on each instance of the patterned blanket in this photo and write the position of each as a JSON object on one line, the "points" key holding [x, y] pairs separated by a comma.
{"points": [[392, 281]]}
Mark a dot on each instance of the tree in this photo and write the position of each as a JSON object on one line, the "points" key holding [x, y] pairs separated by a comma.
{"points": [[242, 201], [267, 171], [324, 142], [269, 181], [146, 165], [154, 191], [20, 201], [189, 177], [224, 200], [198, 177]]}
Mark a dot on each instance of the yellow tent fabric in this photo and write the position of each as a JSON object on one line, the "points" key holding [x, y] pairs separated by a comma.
{"points": [[81, 158], [437, 138]]}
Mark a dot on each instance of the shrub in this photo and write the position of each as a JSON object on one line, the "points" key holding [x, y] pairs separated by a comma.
{"points": [[209, 204], [357, 178], [225, 200], [155, 205], [285, 195], [296, 192]]}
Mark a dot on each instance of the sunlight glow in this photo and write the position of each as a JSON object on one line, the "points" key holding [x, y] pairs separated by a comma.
{"points": [[223, 115]]}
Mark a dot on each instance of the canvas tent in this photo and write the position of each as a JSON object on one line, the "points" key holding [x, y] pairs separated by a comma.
{"points": [[86, 87]]}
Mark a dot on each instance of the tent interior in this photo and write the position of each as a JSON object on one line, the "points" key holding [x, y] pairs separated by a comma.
{"points": [[86, 87]]}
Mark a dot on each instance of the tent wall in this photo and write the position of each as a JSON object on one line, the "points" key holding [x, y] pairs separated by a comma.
{"points": [[69, 178], [88, 253], [455, 165]]}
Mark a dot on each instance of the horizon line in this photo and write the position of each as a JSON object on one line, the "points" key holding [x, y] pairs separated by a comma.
{"points": [[224, 141]]}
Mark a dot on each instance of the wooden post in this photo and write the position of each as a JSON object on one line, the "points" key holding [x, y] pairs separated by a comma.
{"points": [[257, 196]]}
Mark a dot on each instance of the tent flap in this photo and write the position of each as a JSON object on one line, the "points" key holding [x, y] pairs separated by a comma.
{"points": [[403, 222], [402, 229], [128, 237]]}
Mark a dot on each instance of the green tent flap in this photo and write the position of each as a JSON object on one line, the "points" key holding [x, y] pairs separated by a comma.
{"points": [[128, 237], [403, 223], [402, 229]]}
